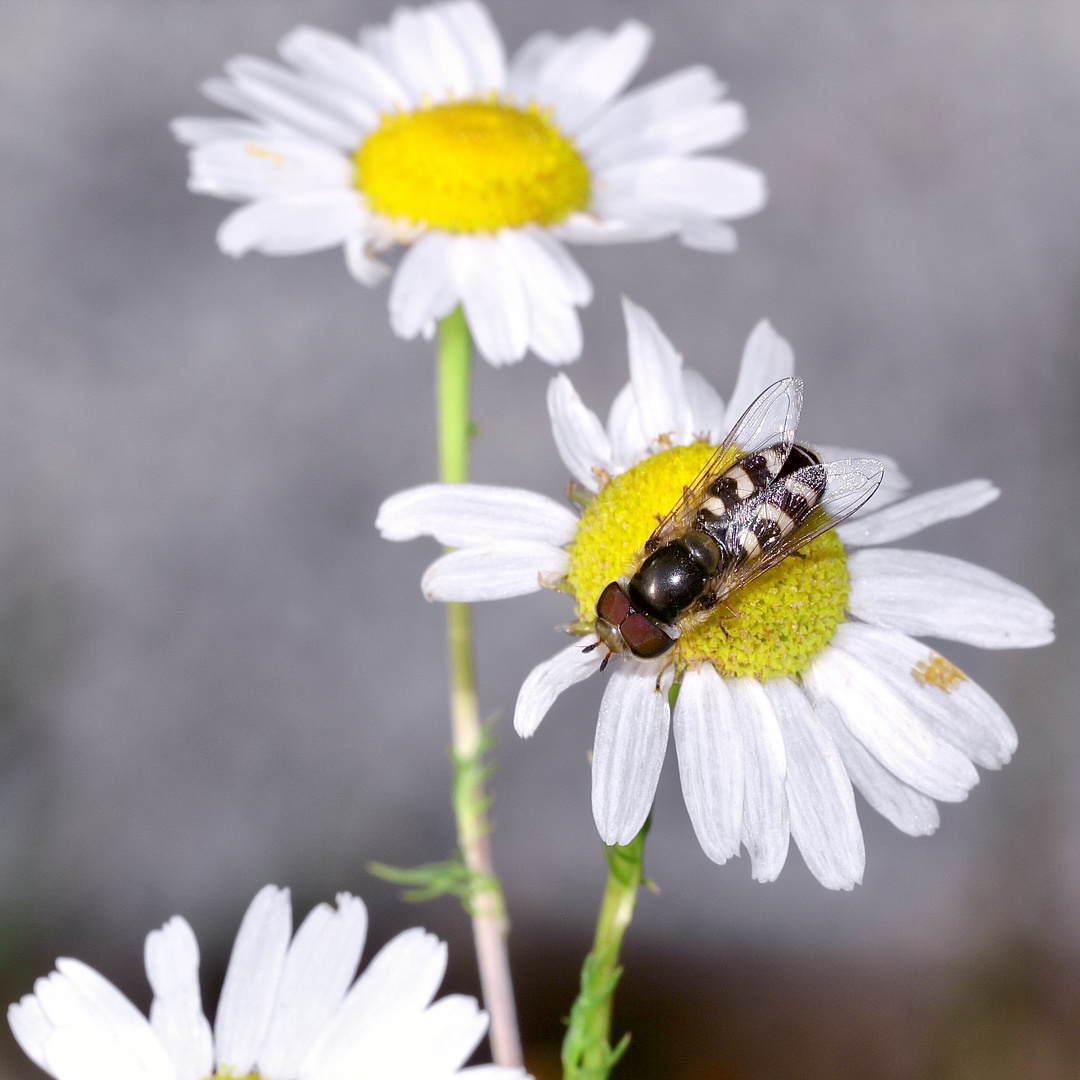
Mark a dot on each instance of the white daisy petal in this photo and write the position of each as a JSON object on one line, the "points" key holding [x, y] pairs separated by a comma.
{"points": [[647, 108], [894, 484], [767, 358], [629, 443], [698, 127], [76, 1035], [268, 92], [579, 436], [440, 1041], [950, 703], [708, 416], [267, 167], [493, 1072], [398, 983], [196, 130], [481, 43], [552, 265], [289, 1005], [31, 1028], [423, 288], [451, 53], [631, 741], [494, 571], [406, 47], [889, 729], [710, 751], [91, 1055], [319, 967], [377, 42], [527, 63], [176, 1015], [701, 234], [554, 330], [679, 187], [291, 225], [576, 280], [224, 93], [821, 802], [909, 810], [63, 1005], [931, 595], [704, 128], [251, 981], [94, 1000], [487, 277], [585, 72], [587, 229], [338, 61], [334, 114], [656, 376], [548, 680], [460, 515], [366, 269], [406, 973], [765, 830], [918, 513]]}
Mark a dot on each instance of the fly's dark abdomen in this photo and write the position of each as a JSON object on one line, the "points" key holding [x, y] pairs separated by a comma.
{"points": [[764, 523], [742, 481], [799, 458]]}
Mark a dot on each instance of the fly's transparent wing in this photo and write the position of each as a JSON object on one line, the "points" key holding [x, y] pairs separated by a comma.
{"points": [[770, 420], [847, 485]]}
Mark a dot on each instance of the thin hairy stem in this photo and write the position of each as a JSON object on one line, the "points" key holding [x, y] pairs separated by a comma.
{"points": [[471, 801]]}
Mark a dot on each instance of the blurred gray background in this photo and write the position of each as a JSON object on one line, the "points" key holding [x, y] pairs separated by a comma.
{"points": [[213, 674]]}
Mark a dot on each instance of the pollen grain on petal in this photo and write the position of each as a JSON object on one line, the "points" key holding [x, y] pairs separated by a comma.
{"points": [[939, 672]]}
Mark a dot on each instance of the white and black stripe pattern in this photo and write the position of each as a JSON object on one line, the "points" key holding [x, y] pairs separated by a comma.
{"points": [[774, 515], [745, 479]]}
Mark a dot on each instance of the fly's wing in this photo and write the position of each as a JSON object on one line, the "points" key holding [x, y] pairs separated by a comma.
{"points": [[770, 420], [847, 485]]}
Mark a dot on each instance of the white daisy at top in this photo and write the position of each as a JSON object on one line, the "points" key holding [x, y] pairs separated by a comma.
{"points": [[289, 1009], [423, 134], [817, 685]]}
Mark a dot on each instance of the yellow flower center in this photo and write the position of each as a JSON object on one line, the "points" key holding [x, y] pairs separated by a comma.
{"points": [[784, 618], [471, 166]]}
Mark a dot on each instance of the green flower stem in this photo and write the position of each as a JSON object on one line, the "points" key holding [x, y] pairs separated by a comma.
{"points": [[587, 1053], [471, 801], [455, 378]]}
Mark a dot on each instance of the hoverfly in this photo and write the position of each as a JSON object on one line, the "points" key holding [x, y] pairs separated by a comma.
{"points": [[741, 516]]}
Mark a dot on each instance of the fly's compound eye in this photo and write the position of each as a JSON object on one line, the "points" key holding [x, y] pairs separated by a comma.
{"points": [[613, 606], [622, 628], [644, 638]]}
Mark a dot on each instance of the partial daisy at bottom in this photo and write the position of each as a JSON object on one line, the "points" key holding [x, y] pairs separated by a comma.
{"points": [[289, 1008], [809, 685], [424, 134]]}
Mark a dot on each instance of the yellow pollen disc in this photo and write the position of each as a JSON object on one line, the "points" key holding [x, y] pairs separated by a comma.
{"points": [[785, 617], [471, 166]]}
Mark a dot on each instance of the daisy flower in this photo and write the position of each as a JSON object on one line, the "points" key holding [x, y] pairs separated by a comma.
{"points": [[815, 687], [289, 1010], [422, 134]]}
